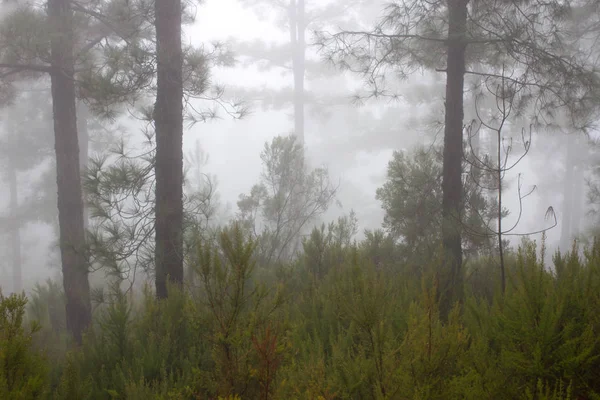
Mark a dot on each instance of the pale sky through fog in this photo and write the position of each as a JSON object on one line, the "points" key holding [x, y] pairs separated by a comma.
{"points": [[235, 146]]}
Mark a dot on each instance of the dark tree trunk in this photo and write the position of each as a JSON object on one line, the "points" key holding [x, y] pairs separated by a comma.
{"points": [[298, 45], [451, 277], [168, 118], [83, 115], [70, 201], [15, 232]]}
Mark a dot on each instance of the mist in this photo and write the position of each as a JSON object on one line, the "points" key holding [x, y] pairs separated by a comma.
{"points": [[340, 112]]}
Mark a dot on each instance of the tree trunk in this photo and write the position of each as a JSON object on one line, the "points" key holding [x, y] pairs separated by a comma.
{"points": [[15, 233], [70, 201], [83, 114], [168, 118], [451, 278], [298, 45]]}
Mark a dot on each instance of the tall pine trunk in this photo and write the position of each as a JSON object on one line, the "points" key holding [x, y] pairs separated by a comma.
{"points": [[15, 232], [70, 200], [83, 115], [451, 277], [298, 45], [168, 119]]}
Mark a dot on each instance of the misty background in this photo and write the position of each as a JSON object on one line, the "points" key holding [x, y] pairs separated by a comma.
{"points": [[354, 141]]}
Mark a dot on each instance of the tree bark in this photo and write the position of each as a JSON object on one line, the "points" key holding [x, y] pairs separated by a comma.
{"points": [[450, 289], [298, 45], [168, 118], [70, 201], [15, 232], [83, 114]]}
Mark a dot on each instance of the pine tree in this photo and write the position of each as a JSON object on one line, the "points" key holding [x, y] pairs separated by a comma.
{"points": [[288, 197], [168, 117], [523, 42], [70, 196], [299, 17]]}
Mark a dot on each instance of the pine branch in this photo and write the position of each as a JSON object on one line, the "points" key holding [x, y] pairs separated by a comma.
{"points": [[103, 19]]}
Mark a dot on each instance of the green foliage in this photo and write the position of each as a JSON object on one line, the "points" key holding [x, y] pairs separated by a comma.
{"points": [[23, 372], [353, 328], [241, 312], [410, 196], [537, 335], [119, 188], [326, 247], [47, 306], [412, 200], [24, 37], [288, 197], [545, 392], [219, 337]]}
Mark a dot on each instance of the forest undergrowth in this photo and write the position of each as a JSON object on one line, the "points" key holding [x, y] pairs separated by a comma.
{"points": [[345, 321]]}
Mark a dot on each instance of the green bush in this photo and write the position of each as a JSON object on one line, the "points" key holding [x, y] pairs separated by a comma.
{"points": [[23, 372], [339, 323]]}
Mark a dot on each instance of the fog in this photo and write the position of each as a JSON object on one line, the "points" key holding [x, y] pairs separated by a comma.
{"points": [[355, 150], [289, 199]]}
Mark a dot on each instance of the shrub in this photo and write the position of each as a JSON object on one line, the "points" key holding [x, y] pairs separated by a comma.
{"points": [[23, 371]]}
